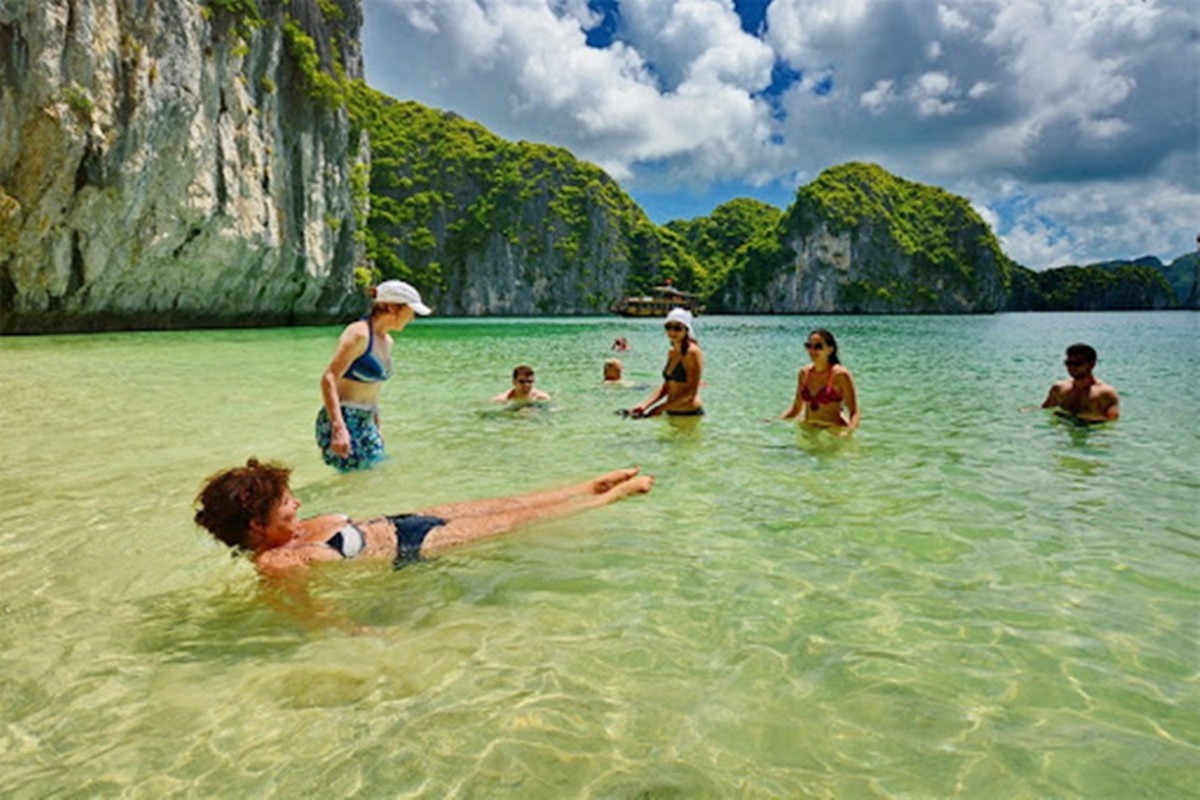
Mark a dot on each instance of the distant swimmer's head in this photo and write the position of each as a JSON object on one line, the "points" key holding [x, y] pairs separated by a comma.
{"points": [[678, 317], [399, 293], [613, 369], [235, 501]]}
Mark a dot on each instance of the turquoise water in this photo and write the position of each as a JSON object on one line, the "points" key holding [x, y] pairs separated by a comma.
{"points": [[963, 600]]}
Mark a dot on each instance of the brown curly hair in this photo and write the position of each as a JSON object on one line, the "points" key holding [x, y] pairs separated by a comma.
{"points": [[232, 499]]}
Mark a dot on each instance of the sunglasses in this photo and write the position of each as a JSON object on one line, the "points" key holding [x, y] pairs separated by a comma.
{"points": [[814, 345], [675, 326], [524, 380], [1070, 362]]}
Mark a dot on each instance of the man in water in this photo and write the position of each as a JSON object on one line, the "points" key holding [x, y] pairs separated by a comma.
{"points": [[522, 390], [1083, 396]]}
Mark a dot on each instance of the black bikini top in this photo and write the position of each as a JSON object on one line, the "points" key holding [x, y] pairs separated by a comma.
{"points": [[678, 375]]}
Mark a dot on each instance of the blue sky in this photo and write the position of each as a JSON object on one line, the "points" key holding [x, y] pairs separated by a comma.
{"points": [[1070, 125]]}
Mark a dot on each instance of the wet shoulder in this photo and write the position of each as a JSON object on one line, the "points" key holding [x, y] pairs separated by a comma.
{"points": [[320, 527]]}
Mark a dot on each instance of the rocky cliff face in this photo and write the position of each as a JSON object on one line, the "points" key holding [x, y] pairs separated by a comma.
{"points": [[860, 240], [784, 273], [525, 261], [529, 275], [172, 162]]}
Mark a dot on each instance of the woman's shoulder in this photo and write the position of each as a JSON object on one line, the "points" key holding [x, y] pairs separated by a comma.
{"points": [[322, 525], [355, 332]]}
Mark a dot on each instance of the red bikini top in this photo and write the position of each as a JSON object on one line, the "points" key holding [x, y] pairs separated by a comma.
{"points": [[827, 394]]}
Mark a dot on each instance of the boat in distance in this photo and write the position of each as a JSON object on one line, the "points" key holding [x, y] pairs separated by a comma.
{"points": [[663, 300]]}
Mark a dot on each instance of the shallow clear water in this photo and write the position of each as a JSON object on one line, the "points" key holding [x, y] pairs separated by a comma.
{"points": [[964, 599]]}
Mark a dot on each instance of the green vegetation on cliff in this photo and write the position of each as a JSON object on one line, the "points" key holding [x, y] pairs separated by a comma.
{"points": [[326, 86], [1100, 287], [448, 200], [860, 239], [311, 38], [1181, 274], [937, 230], [243, 15], [445, 192], [736, 231]]}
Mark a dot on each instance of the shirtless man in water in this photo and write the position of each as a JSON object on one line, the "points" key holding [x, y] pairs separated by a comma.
{"points": [[522, 391], [1083, 396]]}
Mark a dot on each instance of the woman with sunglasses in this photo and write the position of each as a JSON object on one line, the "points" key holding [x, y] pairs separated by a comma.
{"points": [[679, 394], [824, 387]]}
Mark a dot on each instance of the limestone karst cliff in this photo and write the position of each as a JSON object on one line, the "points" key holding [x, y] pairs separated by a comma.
{"points": [[487, 226], [176, 162], [1107, 286], [861, 240]]}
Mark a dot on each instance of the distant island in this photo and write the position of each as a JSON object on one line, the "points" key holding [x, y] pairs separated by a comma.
{"points": [[245, 175]]}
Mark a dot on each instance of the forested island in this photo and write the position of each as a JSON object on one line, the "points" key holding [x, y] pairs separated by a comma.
{"points": [[222, 163]]}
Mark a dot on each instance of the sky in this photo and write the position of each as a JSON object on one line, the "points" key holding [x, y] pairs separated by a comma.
{"points": [[1070, 125]]}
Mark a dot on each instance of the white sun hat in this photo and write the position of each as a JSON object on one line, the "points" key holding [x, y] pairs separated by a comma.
{"points": [[682, 315], [402, 293]]}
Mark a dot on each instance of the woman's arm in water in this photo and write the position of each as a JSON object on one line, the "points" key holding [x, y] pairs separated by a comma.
{"points": [[849, 396], [640, 410], [797, 402], [351, 344]]}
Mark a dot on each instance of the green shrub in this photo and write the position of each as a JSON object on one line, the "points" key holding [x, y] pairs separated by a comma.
{"points": [[243, 15], [79, 100], [328, 91]]}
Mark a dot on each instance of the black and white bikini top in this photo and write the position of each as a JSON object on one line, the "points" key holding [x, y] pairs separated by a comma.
{"points": [[347, 540]]}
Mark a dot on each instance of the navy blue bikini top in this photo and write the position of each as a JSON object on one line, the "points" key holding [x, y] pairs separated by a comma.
{"points": [[679, 374], [367, 368]]}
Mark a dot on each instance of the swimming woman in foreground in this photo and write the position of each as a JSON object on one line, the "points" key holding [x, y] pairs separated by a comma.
{"points": [[252, 509], [824, 387], [679, 394]]}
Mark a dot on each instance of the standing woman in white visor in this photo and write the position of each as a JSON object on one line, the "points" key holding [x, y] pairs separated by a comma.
{"points": [[347, 426]]}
